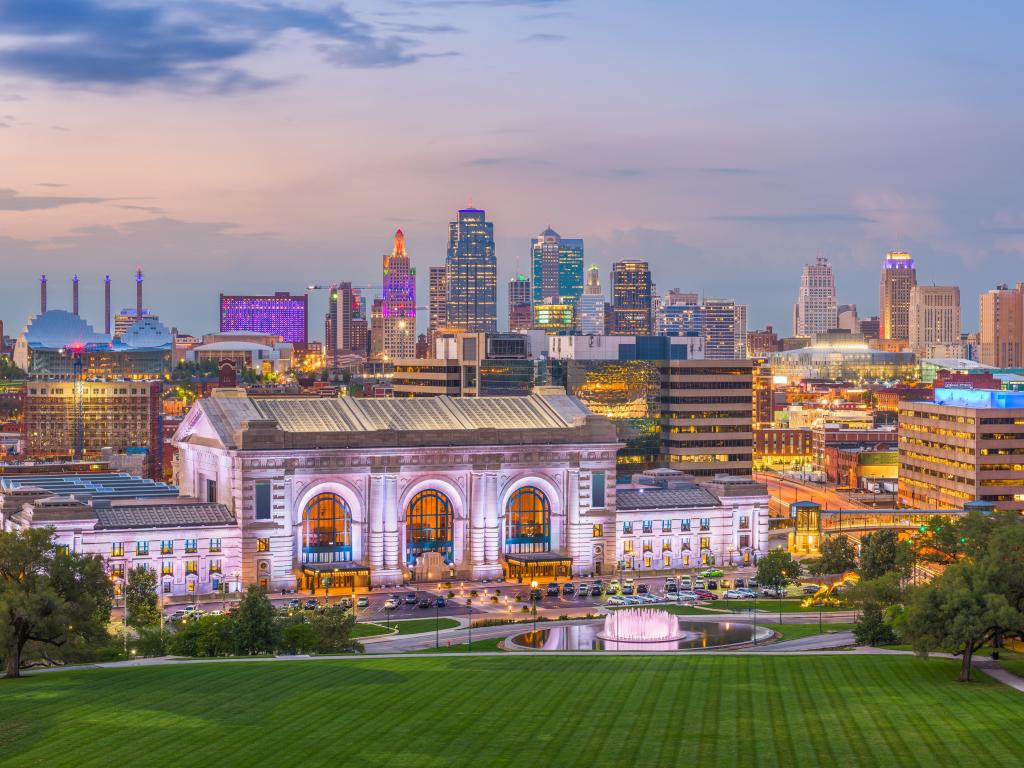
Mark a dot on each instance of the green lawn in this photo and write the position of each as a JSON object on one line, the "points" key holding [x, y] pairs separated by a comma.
{"points": [[363, 629], [414, 626], [768, 605], [512, 710], [797, 631], [1012, 661], [489, 645]]}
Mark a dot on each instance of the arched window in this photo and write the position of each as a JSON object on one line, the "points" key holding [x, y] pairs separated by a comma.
{"points": [[429, 526], [326, 530], [528, 522]]}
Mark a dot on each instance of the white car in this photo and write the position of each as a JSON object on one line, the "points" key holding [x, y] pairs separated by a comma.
{"points": [[616, 600], [746, 592], [390, 604], [687, 597], [735, 594]]}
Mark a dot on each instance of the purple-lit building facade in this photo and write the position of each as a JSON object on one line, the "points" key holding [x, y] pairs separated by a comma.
{"points": [[398, 305], [282, 314]]}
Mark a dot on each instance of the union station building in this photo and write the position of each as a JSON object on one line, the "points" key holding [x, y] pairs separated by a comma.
{"points": [[356, 492]]}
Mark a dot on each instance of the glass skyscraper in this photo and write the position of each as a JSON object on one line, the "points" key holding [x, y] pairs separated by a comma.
{"points": [[472, 273], [631, 298], [557, 266]]}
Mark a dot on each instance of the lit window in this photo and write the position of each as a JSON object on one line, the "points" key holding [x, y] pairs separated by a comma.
{"points": [[191, 567], [215, 545], [666, 526], [167, 547], [117, 549], [167, 568], [262, 545], [627, 528], [598, 531], [117, 570], [215, 565], [141, 548], [191, 546]]}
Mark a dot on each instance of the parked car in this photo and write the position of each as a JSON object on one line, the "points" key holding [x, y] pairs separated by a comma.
{"points": [[177, 615], [811, 589], [712, 584], [345, 602], [703, 594], [363, 602], [441, 602], [699, 584], [596, 590], [536, 594], [293, 604], [642, 588], [390, 604], [613, 586], [711, 573], [396, 597], [426, 602], [190, 609], [686, 583], [739, 583], [584, 590], [687, 596], [733, 594], [647, 598], [752, 583], [599, 583], [568, 589], [217, 612], [627, 589], [553, 589], [410, 598], [616, 600], [749, 593], [310, 604], [670, 585], [771, 592], [629, 583]]}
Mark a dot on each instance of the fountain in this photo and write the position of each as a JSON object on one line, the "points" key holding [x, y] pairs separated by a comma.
{"points": [[641, 625]]}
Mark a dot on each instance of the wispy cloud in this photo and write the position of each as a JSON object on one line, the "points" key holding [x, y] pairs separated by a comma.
{"points": [[726, 170], [795, 218], [543, 37], [10, 200], [50, 184], [185, 45]]}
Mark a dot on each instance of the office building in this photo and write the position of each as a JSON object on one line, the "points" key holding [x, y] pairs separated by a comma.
{"points": [[472, 274], [345, 325], [681, 315], [520, 304], [261, 352], [815, 310], [395, 331], [469, 365], [707, 416], [557, 268], [121, 415], [554, 318], [962, 447], [724, 329], [846, 318], [631, 298], [127, 317], [842, 356], [591, 305], [763, 343], [281, 314], [438, 303], [898, 277], [1001, 335], [934, 321]]}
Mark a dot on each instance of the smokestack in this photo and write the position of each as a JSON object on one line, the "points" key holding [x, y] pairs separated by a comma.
{"points": [[42, 293], [74, 295], [138, 294], [106, 305]]}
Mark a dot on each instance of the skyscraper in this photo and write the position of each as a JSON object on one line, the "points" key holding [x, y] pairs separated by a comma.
{"points": [[898, 277], [345, 325], [816, 304], [934, 321], [438, 304], [681, 315], [472, 274], [631, 298], [1002, 327], [591, 305], [398, 304], [520, 304], [722, 334], [557, 266], [282, 314]]}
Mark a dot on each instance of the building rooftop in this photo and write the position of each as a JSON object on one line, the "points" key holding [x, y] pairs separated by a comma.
{"points": [[162, 515], [979, 398], [632, 500], [97, 485]]}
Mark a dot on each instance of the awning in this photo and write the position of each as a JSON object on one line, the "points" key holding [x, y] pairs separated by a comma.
{"points": [[538, 558], [312, 569]]}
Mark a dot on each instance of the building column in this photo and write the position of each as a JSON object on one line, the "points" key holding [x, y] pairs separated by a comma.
{"points": [[390, 522], [493, 537], [376, 522], [581, 555], [476, 519]]}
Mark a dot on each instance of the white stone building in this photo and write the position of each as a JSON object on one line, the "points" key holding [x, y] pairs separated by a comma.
{"points": [[351, 492]]}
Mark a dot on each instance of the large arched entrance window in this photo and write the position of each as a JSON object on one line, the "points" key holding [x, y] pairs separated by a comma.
{"points": [[327, 530], [429, 526], [528, 522]]}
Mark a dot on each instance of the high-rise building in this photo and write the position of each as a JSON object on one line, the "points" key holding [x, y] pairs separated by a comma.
{"points": [[345, 324], [591, 305], [1001, 336], [934, 321], [438, 303], [708, 416], [816, 306], [557, 268], [898, 277], [281, 314], [681, 315], [724, 328], [397, 304], [631, 298], [126, 318], [846, 318], [761, 343], [554, 318], [520, 304], [472, 274]]}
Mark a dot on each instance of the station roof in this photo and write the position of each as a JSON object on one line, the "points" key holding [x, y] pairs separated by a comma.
{"points": [[94, 485], [635, 500]]}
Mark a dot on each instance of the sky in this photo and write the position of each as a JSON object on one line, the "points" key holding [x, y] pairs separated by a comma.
{"points": [[245, 146]]}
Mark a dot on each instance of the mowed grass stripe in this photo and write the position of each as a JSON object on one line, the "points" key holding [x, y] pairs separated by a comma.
{"points": [[724, 710]]}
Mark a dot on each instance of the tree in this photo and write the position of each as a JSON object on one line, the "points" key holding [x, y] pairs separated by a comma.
{"points": [[140, 597], [777, 569], [882, 552], [254, 628], [298, 637], [51, 601], [838, 555], [334, 631], [871, 628]]}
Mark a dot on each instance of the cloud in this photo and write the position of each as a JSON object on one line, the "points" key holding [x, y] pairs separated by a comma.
{"points": [[184, 45], [50, 184], [796, 218], [486, 162], [10, 200], [543, 37], [145, 208], [728, 171]]}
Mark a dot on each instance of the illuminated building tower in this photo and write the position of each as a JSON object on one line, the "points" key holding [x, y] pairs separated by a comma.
{"points": [[281, 314], [631, 298], [398, 304], [472, 274], [591, 305], [1001, 338], [74, 295], [898, 277], [520, 304], [722, 329], [681, 315], [438, 304], [557, 265], [934, 321], [816, 306]]}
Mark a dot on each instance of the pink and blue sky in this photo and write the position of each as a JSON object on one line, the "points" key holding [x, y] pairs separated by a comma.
{"points": [[254, 145]]}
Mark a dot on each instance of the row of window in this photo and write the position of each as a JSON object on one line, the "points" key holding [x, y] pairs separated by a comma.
{"points": [[117, 570], [166, 547], [703, 524]]}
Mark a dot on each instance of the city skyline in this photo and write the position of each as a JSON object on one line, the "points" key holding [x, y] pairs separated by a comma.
{"points": [[832, 156]]}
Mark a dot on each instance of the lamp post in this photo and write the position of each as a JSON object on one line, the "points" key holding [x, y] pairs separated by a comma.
{"points": [[387, 614], [469, 603], [533, 599], [437, 625], [753, 612], [122, 588]]}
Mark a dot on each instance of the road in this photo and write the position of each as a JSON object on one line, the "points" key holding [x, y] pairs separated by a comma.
{"points": [[783, 491]]}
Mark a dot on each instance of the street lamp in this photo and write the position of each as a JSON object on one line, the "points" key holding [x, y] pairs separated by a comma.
{"points": [[121, 587], [533, 599], [387, 613], [437, 625], [469, 603]]}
